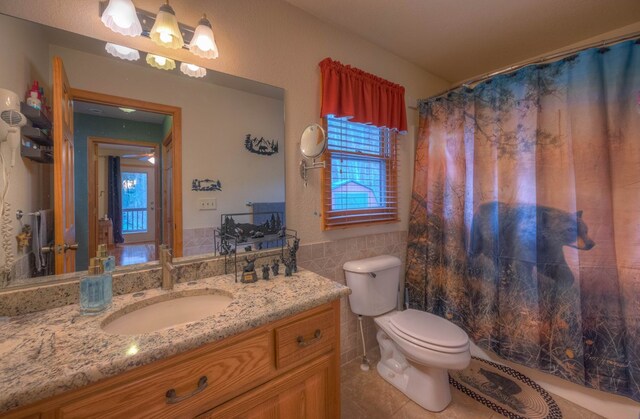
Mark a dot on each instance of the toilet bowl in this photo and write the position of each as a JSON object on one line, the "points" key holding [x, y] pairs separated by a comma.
{"points": [[417, 348]]}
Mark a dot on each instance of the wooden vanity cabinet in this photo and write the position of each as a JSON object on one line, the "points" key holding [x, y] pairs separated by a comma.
{"points": [[286, 369]]}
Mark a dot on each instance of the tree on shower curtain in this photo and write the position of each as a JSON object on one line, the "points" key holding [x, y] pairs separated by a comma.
{"points": [[525, 216]]}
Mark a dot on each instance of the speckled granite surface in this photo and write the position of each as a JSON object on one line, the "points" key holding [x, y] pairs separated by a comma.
{"points": [[49, 352]]}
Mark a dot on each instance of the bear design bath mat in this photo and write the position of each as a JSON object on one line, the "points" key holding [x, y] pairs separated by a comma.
{"points": [[505, 390]]}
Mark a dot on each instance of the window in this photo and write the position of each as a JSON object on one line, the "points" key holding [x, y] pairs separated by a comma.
{"points": [[134, 202], [360, 177]]}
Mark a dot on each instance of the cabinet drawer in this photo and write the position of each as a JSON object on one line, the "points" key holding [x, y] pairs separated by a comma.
{"points": [[304, 338], [228, 371]]}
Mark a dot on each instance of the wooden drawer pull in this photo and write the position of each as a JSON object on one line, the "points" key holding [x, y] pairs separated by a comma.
{"points": [[316, 337], [173, 398]]}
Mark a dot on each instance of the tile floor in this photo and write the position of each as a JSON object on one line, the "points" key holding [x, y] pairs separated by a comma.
{"points": [[366, 395]]}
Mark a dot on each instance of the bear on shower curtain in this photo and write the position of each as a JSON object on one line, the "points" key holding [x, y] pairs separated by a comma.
{"points": [[525, 216]]}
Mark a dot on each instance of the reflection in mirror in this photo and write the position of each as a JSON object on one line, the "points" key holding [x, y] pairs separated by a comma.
{"points": [[313, 143], [129, 187]]}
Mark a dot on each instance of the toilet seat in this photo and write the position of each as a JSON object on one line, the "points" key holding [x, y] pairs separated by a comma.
{"points": [[429, 331]]}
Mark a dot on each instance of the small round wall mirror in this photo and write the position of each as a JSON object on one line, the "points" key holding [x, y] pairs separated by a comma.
{"points": [[313, 141]]}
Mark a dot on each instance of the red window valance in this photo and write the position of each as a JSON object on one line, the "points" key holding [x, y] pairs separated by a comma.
{"points": [[350, 92]]}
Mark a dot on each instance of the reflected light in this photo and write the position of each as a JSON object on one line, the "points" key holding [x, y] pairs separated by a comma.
{"points": [[152, 160], [133, 349]]}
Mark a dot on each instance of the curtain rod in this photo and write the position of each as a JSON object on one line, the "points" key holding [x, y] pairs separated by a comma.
{"points": [[558, 55]]}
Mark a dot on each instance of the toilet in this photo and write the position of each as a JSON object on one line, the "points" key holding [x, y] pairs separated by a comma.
{"points": [[417, 348]]}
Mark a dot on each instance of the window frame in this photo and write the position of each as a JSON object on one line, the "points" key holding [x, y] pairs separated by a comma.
{"points": [[341, 219]]}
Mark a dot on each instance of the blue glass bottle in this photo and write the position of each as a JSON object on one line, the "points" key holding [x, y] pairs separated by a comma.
{"points": [[92, 289]]}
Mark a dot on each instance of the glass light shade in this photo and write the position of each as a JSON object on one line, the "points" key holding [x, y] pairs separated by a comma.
{"points": [[193, 70], [120, 16], [125, 53], [160, 62], [165, 31], [203, 44]]}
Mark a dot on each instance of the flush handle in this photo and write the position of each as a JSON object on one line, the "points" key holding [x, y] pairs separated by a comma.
{"points": [[316, 337], [372, 274], [173, 398]]}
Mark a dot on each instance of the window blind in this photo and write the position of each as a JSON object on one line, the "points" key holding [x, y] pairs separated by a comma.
{"points": [[360, 177]]}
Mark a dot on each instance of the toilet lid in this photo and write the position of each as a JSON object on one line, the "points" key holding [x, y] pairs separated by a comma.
{"points": [[429, 329]]}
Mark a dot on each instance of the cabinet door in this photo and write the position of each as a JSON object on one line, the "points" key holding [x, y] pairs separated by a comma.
{"points": [[304, 393]]}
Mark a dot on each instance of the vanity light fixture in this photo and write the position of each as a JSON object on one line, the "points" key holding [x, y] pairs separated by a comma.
{"points": [[193, 70], [165, 31], [160, 62], [127, 110], [125, 53], [203, 43], [120, 16]]}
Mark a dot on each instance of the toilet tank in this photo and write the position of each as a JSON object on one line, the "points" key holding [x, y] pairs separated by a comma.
{"points": [[374, 284]]}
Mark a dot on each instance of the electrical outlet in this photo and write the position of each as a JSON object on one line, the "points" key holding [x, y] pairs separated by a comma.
{"points": [[208, 204]]}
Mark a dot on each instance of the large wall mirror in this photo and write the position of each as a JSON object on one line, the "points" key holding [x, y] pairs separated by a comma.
{"points": [[149, 157]]}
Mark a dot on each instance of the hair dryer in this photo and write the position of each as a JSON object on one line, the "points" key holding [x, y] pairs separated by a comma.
{"points": [[11, 120]]}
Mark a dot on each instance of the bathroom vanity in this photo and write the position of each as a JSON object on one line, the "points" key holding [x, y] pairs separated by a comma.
{"points": [[273, 351]]}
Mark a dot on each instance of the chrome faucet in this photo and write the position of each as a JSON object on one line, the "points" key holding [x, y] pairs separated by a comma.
{"points": [[167, 266]]}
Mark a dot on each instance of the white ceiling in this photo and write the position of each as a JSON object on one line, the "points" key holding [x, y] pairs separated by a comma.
{"points": [[107, 111], [459, 39]]}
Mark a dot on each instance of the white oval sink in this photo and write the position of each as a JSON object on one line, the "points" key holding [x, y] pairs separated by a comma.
{"points": [[165, 311]]}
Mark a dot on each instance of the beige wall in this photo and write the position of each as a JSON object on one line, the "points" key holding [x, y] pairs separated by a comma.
{"points": [[23, 59], [272, 42]]}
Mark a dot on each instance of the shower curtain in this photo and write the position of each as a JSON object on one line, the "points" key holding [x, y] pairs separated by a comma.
{"points": [[525, 216]]}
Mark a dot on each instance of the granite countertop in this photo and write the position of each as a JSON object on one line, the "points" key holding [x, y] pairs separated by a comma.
{"points": [[50, 352]]}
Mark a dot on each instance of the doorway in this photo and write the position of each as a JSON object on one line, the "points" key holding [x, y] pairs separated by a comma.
{"points": [[124, 179], [66, 189], [144, 229]]}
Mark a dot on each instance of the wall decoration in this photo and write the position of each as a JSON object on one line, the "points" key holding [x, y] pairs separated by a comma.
{"points": [[206, 185], [261, 146]]}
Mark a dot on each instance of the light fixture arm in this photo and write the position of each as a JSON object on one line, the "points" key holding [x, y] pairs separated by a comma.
{"points": [[148, 19]]}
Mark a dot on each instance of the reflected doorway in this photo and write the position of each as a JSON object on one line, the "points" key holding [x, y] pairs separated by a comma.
{"points": [[124, 176]]}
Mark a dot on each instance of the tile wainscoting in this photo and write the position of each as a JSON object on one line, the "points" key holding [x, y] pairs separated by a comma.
{"points": [[197, 241], [327, 258]]}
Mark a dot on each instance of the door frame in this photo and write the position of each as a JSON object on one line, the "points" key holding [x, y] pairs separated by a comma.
{"points": [[92, 168], [176, 132]]}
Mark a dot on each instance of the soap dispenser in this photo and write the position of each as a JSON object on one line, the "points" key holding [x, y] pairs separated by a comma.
{"points": [[95, 289], [109, 262]]}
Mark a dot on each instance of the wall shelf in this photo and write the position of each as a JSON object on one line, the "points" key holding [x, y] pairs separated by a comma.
{"points": [[39, 147], [39, 155], [37, 135], [38, 117]]}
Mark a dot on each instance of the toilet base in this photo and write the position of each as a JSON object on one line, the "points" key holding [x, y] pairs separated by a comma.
{"points": [[428, 387]]}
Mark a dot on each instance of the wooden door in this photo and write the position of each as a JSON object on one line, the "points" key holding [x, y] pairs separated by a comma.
{"points": [[167, 191], [63, 184]]}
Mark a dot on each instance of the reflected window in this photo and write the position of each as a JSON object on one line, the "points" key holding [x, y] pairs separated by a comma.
{"points": [[134, 202]]}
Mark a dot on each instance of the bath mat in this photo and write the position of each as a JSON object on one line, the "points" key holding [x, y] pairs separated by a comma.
{"points": [[505, 390]]}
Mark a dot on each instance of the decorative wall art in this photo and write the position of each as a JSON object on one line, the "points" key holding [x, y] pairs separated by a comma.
{"points": [[261, 146], [206, 185]]}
